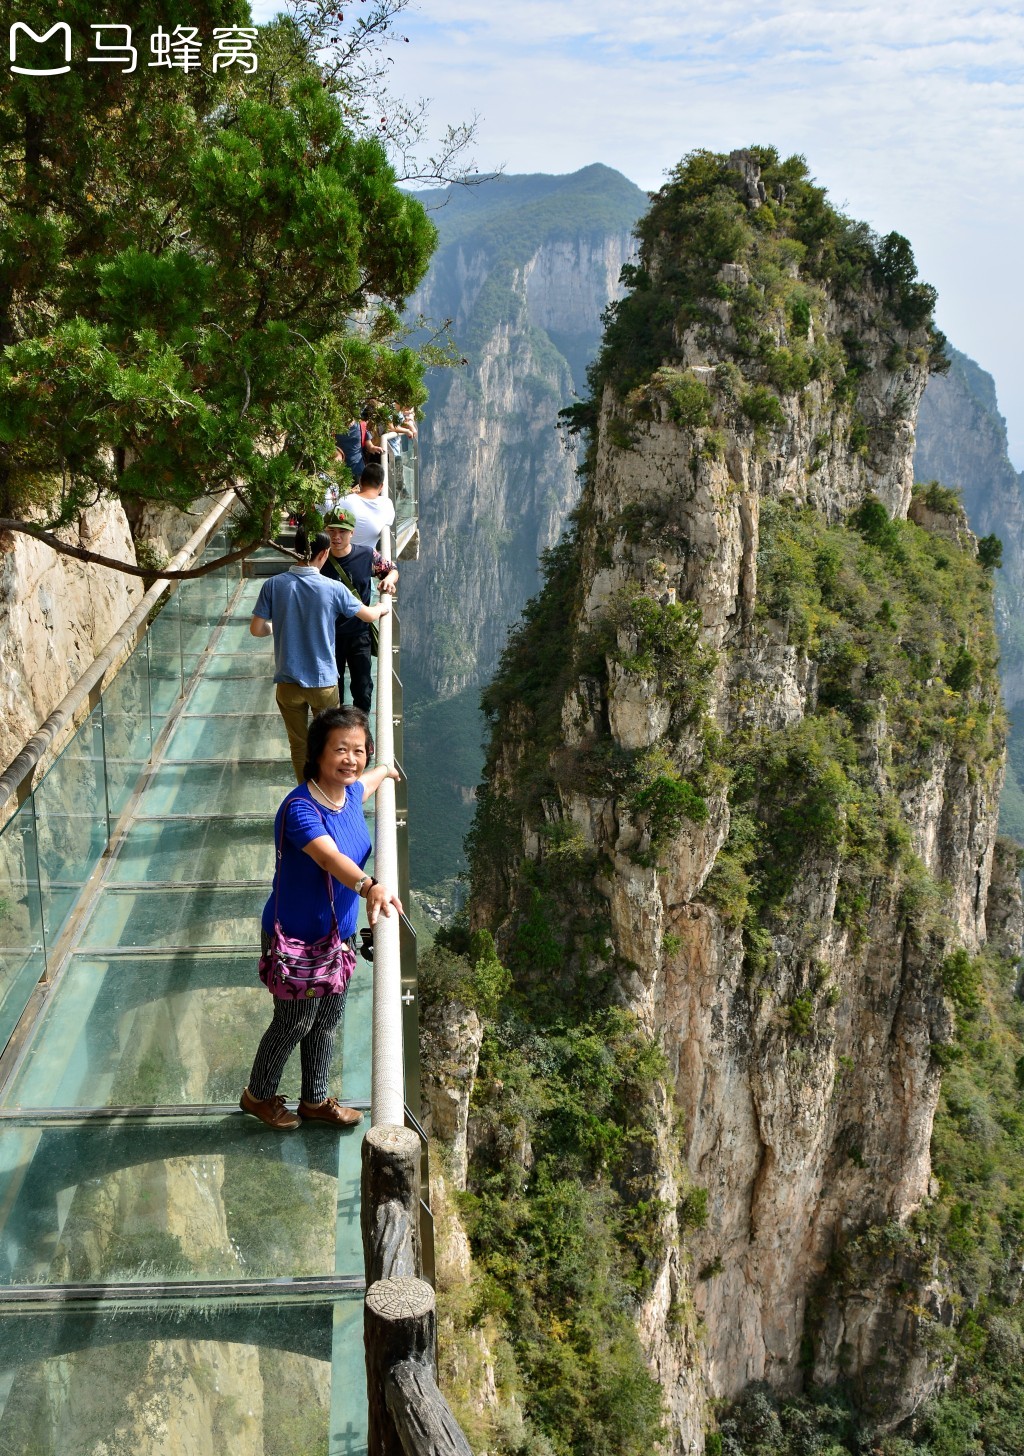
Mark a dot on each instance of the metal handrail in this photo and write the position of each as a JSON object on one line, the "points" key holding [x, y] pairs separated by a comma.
{"points": [[387, 1075], [59, 726]]}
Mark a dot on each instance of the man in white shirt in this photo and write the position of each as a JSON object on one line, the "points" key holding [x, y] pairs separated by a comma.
{"points": [[372, 510]]}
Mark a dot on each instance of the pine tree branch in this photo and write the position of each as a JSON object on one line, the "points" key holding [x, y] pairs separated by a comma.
{"points": [[127, 568]]}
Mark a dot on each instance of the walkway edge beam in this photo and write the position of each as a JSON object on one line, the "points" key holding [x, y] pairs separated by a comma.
{"points": [[45, 736]]}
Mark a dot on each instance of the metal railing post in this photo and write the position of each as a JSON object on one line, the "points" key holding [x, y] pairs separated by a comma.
{"points": [[387, 1076]]}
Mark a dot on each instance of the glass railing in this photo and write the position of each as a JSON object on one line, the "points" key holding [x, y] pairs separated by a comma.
{"points": [[159, 1251], [403, 482], [53, 842]]}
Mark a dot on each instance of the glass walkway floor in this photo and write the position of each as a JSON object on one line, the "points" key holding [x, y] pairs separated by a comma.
{"points": [[175, 1277]]}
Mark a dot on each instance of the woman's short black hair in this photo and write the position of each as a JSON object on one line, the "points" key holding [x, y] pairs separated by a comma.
{"points": [[323, 725]]}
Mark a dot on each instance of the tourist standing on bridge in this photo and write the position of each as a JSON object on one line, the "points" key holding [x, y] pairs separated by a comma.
{"points": [[300, 608], [323, 844], [372, 510], [355, 567]]}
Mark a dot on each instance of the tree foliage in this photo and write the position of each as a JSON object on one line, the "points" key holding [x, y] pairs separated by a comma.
{"points": [[788, 250], [201, 275]]}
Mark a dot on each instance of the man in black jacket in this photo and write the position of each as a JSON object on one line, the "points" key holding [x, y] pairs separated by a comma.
{"points": [[355, 567]]}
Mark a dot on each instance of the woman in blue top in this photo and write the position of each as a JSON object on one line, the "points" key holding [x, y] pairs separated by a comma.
{"points": [[320, 826]]}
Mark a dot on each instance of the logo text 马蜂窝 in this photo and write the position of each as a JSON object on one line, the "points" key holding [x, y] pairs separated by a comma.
{"points": [[112, 45]]}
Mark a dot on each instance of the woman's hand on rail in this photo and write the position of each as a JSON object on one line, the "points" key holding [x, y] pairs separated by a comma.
{"points": [[372, 779], [379, 901]]}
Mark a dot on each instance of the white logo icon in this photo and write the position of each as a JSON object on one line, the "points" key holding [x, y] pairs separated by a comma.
{"points": [[41, 40]]}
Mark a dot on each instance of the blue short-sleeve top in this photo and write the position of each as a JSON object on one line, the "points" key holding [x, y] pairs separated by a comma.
{"points": [[303, 907]]}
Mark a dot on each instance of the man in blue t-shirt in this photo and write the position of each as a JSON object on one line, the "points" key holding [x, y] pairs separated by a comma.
{"points": [[355, 567], [304, 607]]}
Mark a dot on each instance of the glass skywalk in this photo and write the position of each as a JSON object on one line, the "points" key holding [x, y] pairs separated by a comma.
{"points": [[173, 1275]]}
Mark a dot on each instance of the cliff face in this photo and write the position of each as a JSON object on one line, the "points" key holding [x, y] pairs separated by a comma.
{"points": [[524, 269], [743, 782], [961, 441], [55, 615]]}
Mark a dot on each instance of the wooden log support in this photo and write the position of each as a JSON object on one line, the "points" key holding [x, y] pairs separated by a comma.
{"points": [[422, 1416], [392, 1253], [389, 1212], [400, 1324]]}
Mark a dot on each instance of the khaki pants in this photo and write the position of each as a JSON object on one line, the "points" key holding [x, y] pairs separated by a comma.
{"points": [[296, 704]]}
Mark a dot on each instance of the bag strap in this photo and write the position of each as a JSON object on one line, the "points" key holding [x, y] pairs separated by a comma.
{"points": [[280, 864], [343, 576]]}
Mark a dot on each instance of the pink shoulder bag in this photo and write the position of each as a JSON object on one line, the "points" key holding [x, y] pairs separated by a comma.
{"points": [[292, 969]]}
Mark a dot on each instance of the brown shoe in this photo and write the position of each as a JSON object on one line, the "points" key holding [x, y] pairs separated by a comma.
{"points": [[330, 1111], [272, 1111]]}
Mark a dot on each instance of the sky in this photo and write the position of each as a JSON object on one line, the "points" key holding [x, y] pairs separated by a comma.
{"points": [[911, 114]]}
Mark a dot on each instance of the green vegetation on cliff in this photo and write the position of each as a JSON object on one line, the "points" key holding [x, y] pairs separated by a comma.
{"points": [[782, 257], [559, 1208], [899, 623], [858, 673]]}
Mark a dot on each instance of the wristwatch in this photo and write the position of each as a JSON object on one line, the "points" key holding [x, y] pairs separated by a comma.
{"points": [[366, 880]]}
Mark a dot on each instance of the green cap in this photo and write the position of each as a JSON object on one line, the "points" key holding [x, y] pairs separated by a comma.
{"points": [[341, 520]]}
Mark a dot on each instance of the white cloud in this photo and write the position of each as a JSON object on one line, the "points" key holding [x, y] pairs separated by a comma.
{"points": [[913, 118]]}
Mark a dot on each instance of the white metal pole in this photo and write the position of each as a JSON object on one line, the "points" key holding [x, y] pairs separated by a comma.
{"points": [[387, 1077]]}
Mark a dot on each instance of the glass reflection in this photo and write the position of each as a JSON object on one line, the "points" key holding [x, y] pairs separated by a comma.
{"points": [[201, 1376], [171, 918], [252, 735], [169, 1031], [165, 680], [156, 850], [22, 959], [71, 816], [127, 734], [124, 1201], [224, 786]]}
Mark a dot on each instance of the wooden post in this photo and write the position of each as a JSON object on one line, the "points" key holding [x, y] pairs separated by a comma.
{"points": [[399, 1324], [422, 1416], [390, 1203]]}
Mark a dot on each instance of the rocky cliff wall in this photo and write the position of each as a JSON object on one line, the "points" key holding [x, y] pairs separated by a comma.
{"points": [[743, 783], [524, 270], [497, 481], [55, 615], [961, 442]]}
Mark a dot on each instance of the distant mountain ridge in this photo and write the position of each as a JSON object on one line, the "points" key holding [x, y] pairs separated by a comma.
{"points": [[596, 198], [961, 441], [525, 268]]}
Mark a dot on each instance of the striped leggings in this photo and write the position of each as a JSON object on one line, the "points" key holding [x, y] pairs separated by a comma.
{"points": [[311, 1025]]}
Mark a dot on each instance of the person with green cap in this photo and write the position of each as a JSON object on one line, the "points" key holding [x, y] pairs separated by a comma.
{"points": [[355, 567]]}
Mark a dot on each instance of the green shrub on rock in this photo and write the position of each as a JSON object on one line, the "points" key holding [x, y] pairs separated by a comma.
{"points": [[762, 408]]}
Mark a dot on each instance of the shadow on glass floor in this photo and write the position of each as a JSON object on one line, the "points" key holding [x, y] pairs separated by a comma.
{"points": [[148, 1378], [174, 1030], [158, 1200]]}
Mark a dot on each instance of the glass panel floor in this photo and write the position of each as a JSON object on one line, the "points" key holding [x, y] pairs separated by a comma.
{"points": [[146, 1377], [174, 1275]]}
